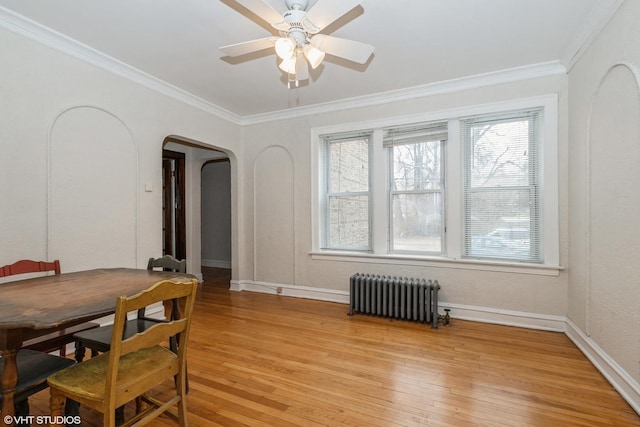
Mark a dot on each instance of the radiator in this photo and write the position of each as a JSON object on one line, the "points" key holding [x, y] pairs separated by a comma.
{"points": [[400, 298]]}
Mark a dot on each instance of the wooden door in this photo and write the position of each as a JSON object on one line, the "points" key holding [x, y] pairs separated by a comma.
{"points": [[173, 205]]}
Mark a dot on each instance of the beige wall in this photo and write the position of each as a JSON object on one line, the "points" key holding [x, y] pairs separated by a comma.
{"points": [[604, 148], [79, 147]]}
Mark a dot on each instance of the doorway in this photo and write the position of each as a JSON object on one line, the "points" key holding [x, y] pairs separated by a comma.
{"points": [[174, 241], [182, 222], [215, 176]]}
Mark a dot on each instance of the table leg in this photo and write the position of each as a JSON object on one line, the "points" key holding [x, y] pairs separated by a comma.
{"points": [[9, 381]]}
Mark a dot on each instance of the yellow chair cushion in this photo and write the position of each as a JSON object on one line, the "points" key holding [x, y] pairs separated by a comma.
{"points": [[87, 379]]}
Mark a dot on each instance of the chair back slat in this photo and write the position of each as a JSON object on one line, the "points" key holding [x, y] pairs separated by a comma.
{"points": [[158, 293], [160, 332], [29, 266]]}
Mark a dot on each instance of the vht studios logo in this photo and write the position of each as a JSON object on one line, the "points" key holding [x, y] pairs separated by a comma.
{"points": [[42, 419]]}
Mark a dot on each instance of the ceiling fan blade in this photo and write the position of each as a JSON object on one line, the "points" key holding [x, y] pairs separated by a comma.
{"points": [[262, 9], [344, 48], [244, 48], [302, 68], [324, 12]]}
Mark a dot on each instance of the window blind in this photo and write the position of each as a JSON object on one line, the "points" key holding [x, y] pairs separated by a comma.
{"points": [[416, 187], [414, 133], [502, 215]]}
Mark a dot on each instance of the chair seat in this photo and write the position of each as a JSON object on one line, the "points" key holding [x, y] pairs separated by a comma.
{"points": [[33, 369], [86, 380], [99, 339]]}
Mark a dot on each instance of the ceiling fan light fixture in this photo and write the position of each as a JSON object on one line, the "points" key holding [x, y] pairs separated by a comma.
{"points": [[301, 44], [288, 65], [314, 55], [285, 47]]}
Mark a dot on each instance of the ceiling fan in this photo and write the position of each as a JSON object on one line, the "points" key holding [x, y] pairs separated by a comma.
{"points": [[300, 43]]}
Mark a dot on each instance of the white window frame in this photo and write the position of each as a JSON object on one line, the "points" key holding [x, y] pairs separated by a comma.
{"points": [[441, 191], [549, 203], [327, 194], [533, 188]]}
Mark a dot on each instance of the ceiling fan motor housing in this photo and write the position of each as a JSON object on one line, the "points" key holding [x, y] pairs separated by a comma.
{"points": [[296, 31]]}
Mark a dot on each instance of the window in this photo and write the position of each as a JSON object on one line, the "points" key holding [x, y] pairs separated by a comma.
{"points": [[475, 187], [416, 187], [346, 213], [501, 186]]}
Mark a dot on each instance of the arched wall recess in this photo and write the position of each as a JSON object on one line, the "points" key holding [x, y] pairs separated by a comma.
{"points": [[274, 217], [92, 190], [613, 206]]}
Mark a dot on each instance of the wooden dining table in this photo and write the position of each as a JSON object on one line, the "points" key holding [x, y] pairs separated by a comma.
{"points": [[38, 306]]}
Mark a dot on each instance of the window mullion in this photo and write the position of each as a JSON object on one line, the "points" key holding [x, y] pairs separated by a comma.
{"points": [[379, 186]]}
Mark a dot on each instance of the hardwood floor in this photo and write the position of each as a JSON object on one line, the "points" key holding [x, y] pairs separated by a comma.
{"points": [[265, 360]]}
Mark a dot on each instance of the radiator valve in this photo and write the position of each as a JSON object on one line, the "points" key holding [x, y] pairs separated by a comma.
{"points": [[446, 319]]}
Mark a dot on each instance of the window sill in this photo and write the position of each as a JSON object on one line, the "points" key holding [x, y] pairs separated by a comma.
{"points": [[439, 262]]}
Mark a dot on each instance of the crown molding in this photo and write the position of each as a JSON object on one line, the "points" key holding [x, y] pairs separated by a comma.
{"points": [[598, 18], [30, 29], [447, 86]]}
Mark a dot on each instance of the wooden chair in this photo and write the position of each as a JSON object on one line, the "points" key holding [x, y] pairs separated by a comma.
{"points": [[172, 310], [33, 362], [134, 365], [56, 340], [28, 266], [33, 369], [168, 263], [99, 340]]}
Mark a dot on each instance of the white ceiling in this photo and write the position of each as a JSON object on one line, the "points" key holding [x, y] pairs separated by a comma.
{"points": [[417, 43]]}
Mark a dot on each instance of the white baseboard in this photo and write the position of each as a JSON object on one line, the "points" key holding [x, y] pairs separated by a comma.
{"points": [[216, 263], [497, 316], [458, 311], [308, 292], [628, 388]]}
